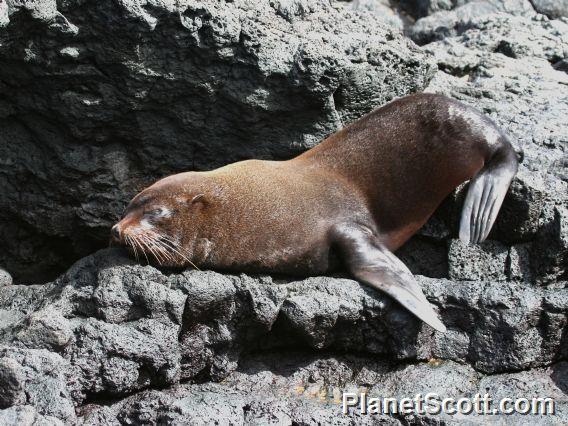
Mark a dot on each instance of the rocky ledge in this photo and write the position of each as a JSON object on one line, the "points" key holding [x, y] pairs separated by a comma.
{"points": [[100, 97], [80, 347]]}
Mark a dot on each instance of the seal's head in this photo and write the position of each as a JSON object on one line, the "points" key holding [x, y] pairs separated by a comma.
{"points": [[161, 222]]}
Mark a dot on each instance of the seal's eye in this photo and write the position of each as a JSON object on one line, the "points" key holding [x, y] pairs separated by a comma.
{"points": [[158, 212]]}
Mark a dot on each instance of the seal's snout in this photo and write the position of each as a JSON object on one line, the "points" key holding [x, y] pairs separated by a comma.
{"points": [[115, 233]]}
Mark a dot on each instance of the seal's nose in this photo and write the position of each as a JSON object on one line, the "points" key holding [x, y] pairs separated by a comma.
{"points": [[115, 232]]}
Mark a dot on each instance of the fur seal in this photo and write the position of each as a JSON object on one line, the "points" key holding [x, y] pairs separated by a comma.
{"points": [[352, 200]]}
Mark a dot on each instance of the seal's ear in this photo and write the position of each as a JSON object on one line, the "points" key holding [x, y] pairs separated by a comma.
{"points": [[199, 198]]}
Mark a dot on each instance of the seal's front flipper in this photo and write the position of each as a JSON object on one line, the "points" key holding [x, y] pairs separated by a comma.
{"points": [[372, 263]]}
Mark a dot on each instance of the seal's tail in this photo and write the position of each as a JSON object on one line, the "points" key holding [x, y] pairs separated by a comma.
{"points": [[486, 192]]}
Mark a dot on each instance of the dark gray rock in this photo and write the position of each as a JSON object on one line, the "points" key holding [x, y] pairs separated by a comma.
{"points": [[514, 7], [11, 377], [503, 66], [425, 256], [98, 99], [561, 65], [384, 10], [36, 379], [519, 263], [447, 23], [491, 22], [5, 278], [301, 389], [551, 8], [27, 415], [513, 36], [484, 262], [549, 253], [110, 328], [45, 329], [422, 8], [502, 332], [521, 92], [521, 216]]}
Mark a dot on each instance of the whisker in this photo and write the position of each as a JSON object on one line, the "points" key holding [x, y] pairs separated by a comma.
{"points": [[151, 250], [143, 251], [139, 248], [160, 252], [163, 249], [130, 242], [163, 238], [135, 246], [173, 246], [157, 249]]}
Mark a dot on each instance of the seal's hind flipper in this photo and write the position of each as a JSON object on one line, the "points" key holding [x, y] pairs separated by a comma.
{"points": [[485, 195], [373, 264]]}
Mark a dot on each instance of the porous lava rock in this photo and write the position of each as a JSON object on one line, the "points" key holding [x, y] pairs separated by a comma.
{"points": [[99, 98], [110, 328]]}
